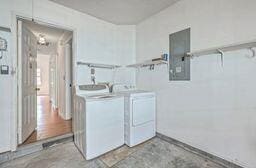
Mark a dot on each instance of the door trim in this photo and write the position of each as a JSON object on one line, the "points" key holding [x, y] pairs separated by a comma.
{"points": [[16, 70]]}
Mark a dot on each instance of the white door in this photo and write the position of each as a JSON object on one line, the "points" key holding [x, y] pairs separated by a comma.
{"points": [[27, 48], [53, 81], [65, 81], [68, 54], [61, 82]]}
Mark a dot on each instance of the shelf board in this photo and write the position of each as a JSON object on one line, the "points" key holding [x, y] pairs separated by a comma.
{"points": [[147, 63], [96, 65], [217, 50], [5, 29]]}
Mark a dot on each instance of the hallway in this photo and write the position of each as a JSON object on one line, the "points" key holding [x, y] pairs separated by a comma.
{"points": [[49, 123]]}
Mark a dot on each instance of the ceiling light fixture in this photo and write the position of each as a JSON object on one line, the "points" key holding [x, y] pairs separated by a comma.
{"points": [[42, 40]]}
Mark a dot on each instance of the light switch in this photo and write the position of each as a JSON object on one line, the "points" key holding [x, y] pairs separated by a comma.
{"points": [[4, 69]]}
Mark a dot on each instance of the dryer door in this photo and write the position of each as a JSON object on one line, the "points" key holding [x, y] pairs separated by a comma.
{"points": [[143, 110]]}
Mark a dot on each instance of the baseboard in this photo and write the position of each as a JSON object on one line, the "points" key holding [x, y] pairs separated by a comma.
{"points": [[199, 152], [35, 147]]}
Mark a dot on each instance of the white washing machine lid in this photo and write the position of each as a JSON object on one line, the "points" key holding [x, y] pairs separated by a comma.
{"points": [[92, 89], [102, 97]]}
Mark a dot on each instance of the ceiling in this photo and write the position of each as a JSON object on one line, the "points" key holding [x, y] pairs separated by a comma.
{"points": [[51, 34], [121, 12]]}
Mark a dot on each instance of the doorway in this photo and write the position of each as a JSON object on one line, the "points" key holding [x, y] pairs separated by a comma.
{"points": [[45, 62]]}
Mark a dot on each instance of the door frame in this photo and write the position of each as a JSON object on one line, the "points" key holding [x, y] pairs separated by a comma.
{"points": [[16, 71]]}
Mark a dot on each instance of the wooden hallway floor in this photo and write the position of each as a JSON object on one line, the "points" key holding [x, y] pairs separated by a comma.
{"points": [[49, 123]]}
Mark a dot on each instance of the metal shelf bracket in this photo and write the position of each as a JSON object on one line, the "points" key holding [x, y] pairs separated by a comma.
{"points": [[221, 56]]}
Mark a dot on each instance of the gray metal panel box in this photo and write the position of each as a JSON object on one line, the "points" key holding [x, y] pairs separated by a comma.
{"points": [[179, 62]]}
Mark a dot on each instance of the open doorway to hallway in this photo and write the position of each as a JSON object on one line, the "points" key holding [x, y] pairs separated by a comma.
{"points": [[45, 57]]}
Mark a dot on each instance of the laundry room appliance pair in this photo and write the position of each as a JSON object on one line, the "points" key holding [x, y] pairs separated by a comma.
{"points": [[104, 121]]}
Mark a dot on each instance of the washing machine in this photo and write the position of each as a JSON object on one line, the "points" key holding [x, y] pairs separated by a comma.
{"points": [[98, 120], [140, 113]]}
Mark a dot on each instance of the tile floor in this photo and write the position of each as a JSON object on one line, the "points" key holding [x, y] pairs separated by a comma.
{"points": [[155, 153]]}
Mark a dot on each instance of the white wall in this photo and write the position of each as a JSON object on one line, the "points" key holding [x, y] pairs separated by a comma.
{"points": [[94, 40], [6, 84], [43, 62], [215, 111], [124, 53]]}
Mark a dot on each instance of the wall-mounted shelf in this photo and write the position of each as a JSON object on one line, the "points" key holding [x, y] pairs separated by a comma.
{"points": [[222, 49], [5, 29], [148, 64], [95, 65]]}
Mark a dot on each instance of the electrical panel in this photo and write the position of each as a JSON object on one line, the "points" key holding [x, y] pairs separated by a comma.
{"points": [[179, 69]]}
